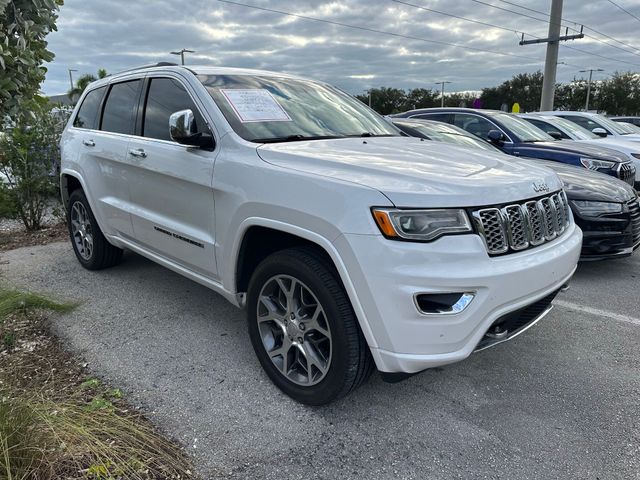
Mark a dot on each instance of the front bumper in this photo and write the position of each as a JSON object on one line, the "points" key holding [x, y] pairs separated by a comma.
{"points": [[609, 236], [387, 274]]}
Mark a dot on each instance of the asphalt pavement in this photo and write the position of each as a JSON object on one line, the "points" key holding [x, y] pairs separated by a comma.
{"points": [[560, 401]]}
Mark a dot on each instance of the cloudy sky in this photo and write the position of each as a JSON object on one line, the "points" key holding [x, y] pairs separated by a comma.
{"points": [[118, 34]]}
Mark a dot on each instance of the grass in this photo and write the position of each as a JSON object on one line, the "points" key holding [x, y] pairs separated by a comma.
{"points": [[55, 421], [14, 301]]}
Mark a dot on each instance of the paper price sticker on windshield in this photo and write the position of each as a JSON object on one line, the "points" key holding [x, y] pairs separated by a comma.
{"points": [[255, 105]]}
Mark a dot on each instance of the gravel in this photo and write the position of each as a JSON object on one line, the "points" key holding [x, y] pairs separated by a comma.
{"points": [[561, 401]]}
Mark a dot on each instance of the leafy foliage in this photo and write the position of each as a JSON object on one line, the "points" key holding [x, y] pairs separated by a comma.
{"points": [[24, 25], [29, 160], [618, 95]]}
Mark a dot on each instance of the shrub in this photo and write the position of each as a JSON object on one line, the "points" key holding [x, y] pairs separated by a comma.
{"points": [[29, 162]]}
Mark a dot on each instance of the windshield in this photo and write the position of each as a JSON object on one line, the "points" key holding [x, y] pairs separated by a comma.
{"points": [[449, 134], [267, 109], [629, 127], [523, 129], [575, 130]]}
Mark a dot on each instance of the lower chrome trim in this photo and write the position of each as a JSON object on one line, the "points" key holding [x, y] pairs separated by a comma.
{"points": [[498, 341]]}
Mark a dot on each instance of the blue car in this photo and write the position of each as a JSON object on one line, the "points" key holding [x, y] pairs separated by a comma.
{"points": [[518, 137]]}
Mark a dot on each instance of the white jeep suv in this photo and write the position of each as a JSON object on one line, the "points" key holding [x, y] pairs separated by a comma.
{"points": [[350, 246]]}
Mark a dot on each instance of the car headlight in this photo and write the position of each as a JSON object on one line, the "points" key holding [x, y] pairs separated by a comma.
{"points": [[594, 164], [636, 155], [593, 209], [421, 225]]}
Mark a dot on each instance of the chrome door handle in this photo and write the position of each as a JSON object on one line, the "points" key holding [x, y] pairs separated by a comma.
{"points": [[139, 153], [89, 143]]}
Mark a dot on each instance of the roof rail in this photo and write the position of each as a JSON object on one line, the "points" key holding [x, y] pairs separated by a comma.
{"points": [[159, 64]]}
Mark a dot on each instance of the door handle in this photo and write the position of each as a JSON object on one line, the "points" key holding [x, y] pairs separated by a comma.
{"points": [[89, 143], [138, 153]]}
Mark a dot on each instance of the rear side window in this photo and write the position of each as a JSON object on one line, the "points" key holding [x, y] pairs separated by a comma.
{"points": [[121, 106], [438, 117], [166, 96], [87, 116]]}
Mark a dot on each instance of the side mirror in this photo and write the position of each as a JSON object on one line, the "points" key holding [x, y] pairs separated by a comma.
{"points": [[183, 129], [555, 134], [601, 132], [495, 136]]}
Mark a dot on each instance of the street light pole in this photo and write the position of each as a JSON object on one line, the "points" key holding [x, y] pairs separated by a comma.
{"points": [[181, 53], [71, 76], [590, 70], [442, 92]]}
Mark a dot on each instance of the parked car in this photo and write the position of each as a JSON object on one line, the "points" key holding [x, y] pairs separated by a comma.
{"points": [[598, 124], [633, 120], [518, 137], [560, 128], [606, 209], [350, 246]]}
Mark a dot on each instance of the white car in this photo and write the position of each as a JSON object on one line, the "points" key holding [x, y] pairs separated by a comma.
{"points": [[598, 124], [564, 129], [350, 246]]}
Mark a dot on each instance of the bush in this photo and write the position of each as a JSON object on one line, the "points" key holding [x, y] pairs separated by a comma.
{"points": [[29, 163]]}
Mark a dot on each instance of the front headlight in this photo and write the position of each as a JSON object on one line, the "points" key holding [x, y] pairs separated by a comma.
{"points": [[421, 225], [593, 209], [594, 164], [636, 155]]}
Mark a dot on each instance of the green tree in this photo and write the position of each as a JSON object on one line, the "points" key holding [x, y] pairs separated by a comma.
{"points": [[24, 25], [385, 100], [28, 163], [524, 88], [83, 82], [620, 94]]}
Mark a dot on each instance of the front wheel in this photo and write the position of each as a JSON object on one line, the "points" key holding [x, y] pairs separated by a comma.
{"points": [[303, 328], [92, 250]]}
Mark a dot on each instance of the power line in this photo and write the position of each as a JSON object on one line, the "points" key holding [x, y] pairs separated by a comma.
{"points": [[635, 52], [547, 22], [601, 56], [624, 10], [373, 30]]}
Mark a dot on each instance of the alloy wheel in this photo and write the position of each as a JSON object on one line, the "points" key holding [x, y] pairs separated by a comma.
{"points": [[81, 232]]}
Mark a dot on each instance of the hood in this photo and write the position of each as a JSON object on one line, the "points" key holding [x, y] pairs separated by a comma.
{"points": [[415, 173], [631, 137], [615, 143], [579, 148], [583, 184]]}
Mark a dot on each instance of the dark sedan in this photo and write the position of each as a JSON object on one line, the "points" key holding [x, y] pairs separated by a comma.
{"points": [[515, 136], [606, 209]]}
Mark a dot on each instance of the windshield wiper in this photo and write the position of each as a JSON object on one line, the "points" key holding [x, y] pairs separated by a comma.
{"points": [[293, 138]]}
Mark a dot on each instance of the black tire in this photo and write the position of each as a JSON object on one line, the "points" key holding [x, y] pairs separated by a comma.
{"points": [[103, 254], [351, 362]]}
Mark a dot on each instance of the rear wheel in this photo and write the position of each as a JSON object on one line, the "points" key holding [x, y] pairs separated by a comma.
{"points": [[92, 249], [303, 328]]}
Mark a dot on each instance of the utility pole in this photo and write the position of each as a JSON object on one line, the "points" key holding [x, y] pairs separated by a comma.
{"points": [[442, 92], [553, 45], [181, 53], [71, 76], [590, 70]]}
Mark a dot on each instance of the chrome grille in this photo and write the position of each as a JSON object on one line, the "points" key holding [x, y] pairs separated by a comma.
{"points": [[519, 226], [627, 173]]}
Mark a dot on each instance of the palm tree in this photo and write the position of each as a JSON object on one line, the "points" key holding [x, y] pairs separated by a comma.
{"points": [[82, 83]]}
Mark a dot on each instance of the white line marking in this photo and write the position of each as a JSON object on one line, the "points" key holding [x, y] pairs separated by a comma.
{"points": [[600, 313]]}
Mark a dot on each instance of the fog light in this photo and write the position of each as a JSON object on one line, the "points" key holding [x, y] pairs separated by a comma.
{"points": [[443, 303]]}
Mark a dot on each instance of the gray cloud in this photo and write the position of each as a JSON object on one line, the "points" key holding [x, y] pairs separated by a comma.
{"points": [[118, 34]]}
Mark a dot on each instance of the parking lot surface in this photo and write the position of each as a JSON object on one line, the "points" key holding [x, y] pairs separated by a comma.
{"points": [[560, 401]]}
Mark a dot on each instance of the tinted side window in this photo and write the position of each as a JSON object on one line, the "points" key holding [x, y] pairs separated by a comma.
{"points": [[166, 96], [121, 106], [546, 127], [473, 124], [87, 116], [438, 117], [583, 122]]}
